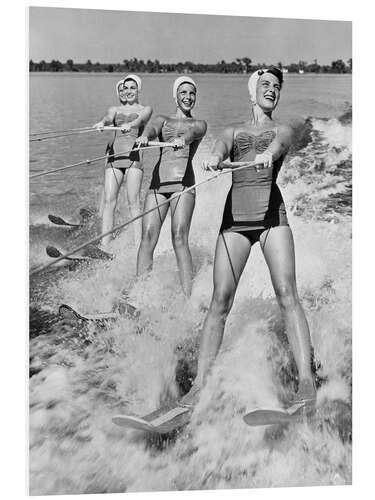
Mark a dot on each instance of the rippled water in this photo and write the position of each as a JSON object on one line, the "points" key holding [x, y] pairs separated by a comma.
{"points": [[81, 378]]}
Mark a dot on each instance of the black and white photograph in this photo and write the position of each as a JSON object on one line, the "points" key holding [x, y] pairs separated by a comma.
{"points": [[190, 251]]}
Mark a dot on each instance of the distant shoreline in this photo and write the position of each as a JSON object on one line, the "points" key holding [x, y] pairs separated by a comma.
{"points": [[104, 73], [241, 66]]}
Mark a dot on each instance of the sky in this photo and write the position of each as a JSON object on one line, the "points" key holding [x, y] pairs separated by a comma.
{"points": [[111, 36]]}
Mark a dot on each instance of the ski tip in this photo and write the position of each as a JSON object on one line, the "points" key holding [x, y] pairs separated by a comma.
{"points": [[94, 252], [271, 416], [56, 220], [68, 312], [59, 221], [133, 422], [53, 252]]}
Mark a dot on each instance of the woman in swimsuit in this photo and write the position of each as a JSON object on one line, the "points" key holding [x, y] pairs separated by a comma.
{"points": [[255, 211], [131, 117], [173, 173]]}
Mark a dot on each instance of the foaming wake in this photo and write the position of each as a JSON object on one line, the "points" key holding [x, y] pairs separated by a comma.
{"points": [[317, 177]]}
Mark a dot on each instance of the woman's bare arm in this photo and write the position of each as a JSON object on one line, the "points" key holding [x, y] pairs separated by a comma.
{"points": [[224, 144], [143, 117], [196, 132], [107, 119], [153, 128], [221, 150]]}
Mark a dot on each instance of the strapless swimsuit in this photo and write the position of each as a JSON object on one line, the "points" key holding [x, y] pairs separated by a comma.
{"points": [[125, 142], [254, 202], [173, 171]]}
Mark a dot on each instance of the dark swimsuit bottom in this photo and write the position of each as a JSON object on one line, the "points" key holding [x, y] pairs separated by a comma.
{"points": [[168, 194], [132, 159], [252, 235]]}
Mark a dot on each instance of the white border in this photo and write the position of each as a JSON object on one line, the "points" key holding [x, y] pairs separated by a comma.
{"points": [[13, 213]]}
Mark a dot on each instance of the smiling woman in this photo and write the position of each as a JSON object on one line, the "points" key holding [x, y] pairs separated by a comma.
{"points": [[255, 212], [172, 173], [131, 117]]}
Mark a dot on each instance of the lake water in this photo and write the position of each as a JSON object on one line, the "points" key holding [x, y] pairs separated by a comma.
{"points": [[77, 383]]}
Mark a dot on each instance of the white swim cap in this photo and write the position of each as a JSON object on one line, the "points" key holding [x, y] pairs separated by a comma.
{"points": [[118, 84], [252, 84], [179, 81], [136, 78]]}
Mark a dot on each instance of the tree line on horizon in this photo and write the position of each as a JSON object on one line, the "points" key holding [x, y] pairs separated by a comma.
{"points": [[134, 65]]}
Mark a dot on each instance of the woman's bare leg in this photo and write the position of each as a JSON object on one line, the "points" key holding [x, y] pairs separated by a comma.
{"points": [[112, 183], [182, 211], [134, 178], [101, 201], [102, 193], [232, 252], [151, 226], [278, 249]]}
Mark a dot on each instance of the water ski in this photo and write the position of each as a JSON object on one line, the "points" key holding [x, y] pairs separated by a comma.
{"points": [[59, 221], [124, 309], [55, 253], [70, 314], [161, 421], [85, 214], [88, 253], [271, 416], [94, 252]]}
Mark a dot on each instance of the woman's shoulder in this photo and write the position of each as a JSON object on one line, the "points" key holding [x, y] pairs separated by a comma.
{"points": [[172, 121], [283, 128], [285, 131], [230, 130], [117, 110], [242, 128], [199, 121], [200, 124], [142, 107], [163, 118], [112, 110], [145, 111]]}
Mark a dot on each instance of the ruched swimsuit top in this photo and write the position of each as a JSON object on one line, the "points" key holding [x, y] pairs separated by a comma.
{"points": [[254, 197], [121, 141], [174, 168]]}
